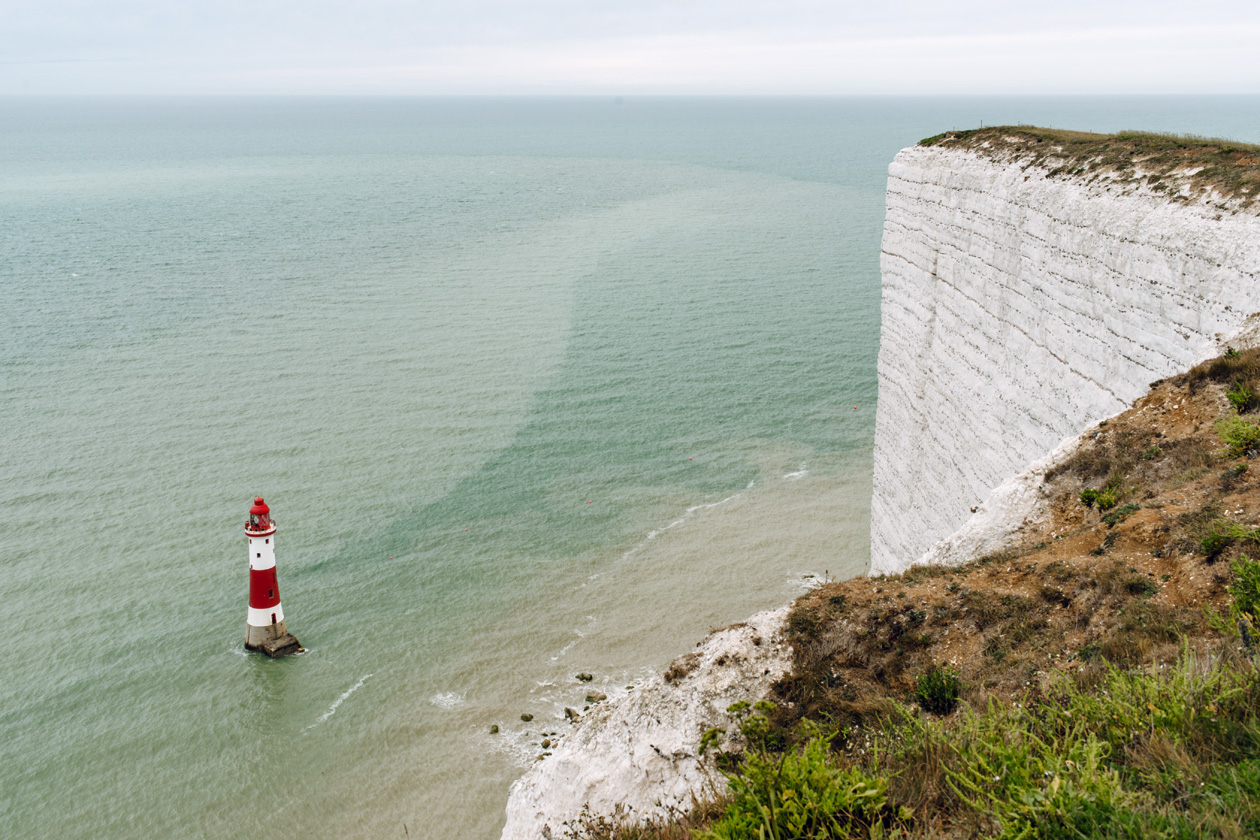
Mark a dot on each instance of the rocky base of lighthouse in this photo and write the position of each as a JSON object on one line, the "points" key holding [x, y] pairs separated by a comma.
{"points": [[274, 640], [277, 648]]}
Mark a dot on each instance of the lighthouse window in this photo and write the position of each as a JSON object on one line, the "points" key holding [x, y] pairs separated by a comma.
{"points": [[268, 540], [271, 593], [260, 554]]}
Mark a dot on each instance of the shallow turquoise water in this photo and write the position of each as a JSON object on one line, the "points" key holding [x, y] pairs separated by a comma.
{"points": [[531, 386]]}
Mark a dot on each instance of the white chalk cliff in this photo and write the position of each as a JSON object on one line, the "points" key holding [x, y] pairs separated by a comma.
{"points": [[1019, 308], [638, 752]]}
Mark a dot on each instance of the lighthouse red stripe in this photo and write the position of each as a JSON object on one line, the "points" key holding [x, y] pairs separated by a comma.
{"points": [[264, 592]]}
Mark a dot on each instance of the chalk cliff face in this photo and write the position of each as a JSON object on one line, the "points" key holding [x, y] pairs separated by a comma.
{"points": [[1019, 308], [637, 754]]}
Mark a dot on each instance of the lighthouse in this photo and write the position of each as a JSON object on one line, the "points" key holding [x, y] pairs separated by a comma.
{"points": [[264, 623]]}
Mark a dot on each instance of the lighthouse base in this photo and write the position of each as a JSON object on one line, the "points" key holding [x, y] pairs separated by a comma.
{"points": [[277, 648], [273, 640]]}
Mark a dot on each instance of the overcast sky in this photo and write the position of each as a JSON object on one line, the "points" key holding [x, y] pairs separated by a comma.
{"points": [[623, 47]]}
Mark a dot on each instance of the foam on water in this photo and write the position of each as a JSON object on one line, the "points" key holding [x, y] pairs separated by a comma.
{"points": [[447, 700], [687, 514], [345, 695]]}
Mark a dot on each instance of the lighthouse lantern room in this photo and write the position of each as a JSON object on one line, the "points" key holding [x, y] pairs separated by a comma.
{"points": [[264, 623]]}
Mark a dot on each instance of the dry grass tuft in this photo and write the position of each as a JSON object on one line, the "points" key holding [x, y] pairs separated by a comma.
{"points": [[681, 667], [681, 824]]}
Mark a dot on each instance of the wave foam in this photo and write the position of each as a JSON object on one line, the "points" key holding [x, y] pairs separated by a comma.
{"points": [[447, 700], [687, 514], [332, 710]]}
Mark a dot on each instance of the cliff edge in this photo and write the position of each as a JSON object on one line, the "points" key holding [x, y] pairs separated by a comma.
{"points": [[1034, 283]]}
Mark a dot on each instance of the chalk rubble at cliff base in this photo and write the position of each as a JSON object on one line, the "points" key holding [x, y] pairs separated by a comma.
{"points": [[638, 751]]}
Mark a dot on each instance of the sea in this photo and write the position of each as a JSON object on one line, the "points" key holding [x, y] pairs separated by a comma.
{"points": [[533, 387]]}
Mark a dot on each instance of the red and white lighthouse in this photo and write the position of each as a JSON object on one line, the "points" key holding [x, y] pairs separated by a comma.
{"points": [[264, 624]]}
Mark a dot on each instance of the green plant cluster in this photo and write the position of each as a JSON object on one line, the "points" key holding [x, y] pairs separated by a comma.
{"points": [[1239, 436], [803, 794], [1244, 590], [754, 724], [1104, 499], [1222, 533], [1112, 492], [937, 690], [1166, 755], [1241, 397]]}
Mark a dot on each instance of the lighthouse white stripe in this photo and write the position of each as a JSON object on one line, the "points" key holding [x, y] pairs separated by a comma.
{"points": [[262, 618], [262, 555]]}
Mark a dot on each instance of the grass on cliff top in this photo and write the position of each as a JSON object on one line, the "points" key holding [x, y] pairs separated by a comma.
{"points": [[1185, 167]]}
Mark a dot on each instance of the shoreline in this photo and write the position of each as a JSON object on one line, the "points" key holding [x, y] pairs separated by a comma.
{"points": [[636, 753]]}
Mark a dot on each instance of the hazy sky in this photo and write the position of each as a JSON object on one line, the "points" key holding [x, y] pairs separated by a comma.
{"points": [[628, 47]]}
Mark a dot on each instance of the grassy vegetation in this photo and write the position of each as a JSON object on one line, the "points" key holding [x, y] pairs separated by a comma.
{"points": [[1240, 436], [1222, 533], [1161, 162], [1244, 591], [1154, 755], [1127, 463], [1242, 368], [937, 690], [802, 793], [1173, 753]]}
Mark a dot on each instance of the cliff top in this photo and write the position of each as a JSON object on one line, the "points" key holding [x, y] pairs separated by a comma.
{"points": [[1184, 167]]}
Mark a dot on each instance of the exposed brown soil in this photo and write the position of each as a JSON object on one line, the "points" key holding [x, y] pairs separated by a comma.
{"points": [[1185, 168], [1125, 586]]}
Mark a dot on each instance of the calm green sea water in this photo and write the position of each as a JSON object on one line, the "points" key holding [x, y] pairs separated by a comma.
{"points": [[532, 387]]}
